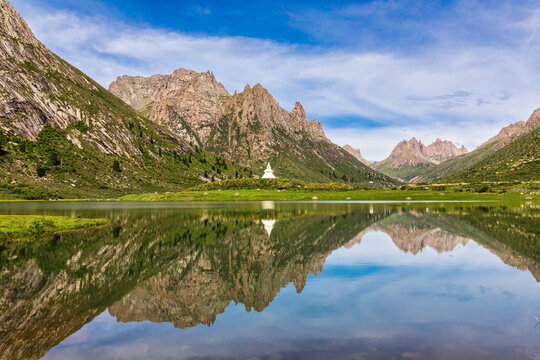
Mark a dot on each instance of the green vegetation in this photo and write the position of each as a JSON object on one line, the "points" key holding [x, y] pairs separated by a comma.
{"points": [[17, 227], [407, 173], [282, 184], [517, 161], [108, 151], [413, 194], [308, 159]]}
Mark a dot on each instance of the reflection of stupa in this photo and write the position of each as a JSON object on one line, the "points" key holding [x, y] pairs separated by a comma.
{"points": [[268, 225], [268, 173]]}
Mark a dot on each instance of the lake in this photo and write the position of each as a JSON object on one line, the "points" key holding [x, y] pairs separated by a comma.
{"points": [[272, 280]]}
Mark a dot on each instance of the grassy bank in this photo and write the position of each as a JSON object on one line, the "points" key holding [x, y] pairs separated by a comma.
{"points": [[302, 195], [21, 227]]}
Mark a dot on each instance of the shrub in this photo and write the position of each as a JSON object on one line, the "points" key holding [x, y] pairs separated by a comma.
{"points": [[41, 171], [116, 166]]}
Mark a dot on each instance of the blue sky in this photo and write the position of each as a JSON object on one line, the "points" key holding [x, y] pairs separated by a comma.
{"points": [[374, 72]]}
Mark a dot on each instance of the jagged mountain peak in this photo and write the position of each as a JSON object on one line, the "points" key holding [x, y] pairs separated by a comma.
{"points": [[414, 154]]}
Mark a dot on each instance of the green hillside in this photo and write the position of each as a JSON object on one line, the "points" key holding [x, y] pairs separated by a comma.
{"points": [[63, 135], [517, 161], [456, 164]]}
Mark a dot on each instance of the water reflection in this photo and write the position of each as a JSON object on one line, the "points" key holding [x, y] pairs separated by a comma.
{"points": [[186, 266]]}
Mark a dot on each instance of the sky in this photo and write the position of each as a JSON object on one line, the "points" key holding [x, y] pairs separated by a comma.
{"points": [[373, 72]]}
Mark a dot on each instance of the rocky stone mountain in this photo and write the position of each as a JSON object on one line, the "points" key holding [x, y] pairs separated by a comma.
{"points": [[38, 89], [248, 127], [411, 157], [61, 132], [414, 152], [357, 154]]}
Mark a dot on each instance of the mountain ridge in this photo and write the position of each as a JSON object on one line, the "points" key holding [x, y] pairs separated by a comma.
{"points": [[247, 127]]}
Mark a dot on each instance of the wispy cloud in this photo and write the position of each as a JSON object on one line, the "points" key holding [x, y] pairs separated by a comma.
{"points": [[436, 91]]}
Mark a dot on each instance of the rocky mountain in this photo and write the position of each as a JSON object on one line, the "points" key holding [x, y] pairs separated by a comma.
{"points": [[357, 154], [249, 127], [62, 133], [492, 160], [411, 157]]}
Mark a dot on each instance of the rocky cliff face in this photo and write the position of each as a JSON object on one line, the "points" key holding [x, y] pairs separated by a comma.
{"points": [[38, 89], [357, 154], [248, 127], [187, 102], [192, 104]]}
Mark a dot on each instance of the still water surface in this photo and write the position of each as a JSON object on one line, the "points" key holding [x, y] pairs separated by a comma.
{"points": [[276, 281]]}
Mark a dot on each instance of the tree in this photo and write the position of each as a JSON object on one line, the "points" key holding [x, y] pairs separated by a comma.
{"points": [[116, 166], [41, 171]]}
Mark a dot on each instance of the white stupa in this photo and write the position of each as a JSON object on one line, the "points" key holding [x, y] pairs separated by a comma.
{"points": [[268, 173]]}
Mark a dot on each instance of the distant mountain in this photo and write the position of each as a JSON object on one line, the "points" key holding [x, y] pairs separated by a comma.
{"points": [[249, 127], [470, 164], [357, 154], [410, 158], [61, 132]]}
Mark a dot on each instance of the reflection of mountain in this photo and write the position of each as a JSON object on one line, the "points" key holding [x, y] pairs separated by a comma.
{"points": [[413, 231], [246, 266], [512, 237], [186, 266]]}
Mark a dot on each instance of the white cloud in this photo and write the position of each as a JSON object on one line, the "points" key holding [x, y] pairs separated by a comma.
{"points": [[463, 94]]}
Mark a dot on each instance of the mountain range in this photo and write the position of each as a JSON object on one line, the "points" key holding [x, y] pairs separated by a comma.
{"points": [[249, 127], [63, 135], [511, 155]]}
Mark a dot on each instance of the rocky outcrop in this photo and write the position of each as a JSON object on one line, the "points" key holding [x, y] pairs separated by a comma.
{"points": [[440, 151], [357, 154], [187, 102], [192, 104]]}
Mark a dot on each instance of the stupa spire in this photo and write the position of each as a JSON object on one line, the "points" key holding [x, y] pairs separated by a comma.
{"points": [[268, 173]]}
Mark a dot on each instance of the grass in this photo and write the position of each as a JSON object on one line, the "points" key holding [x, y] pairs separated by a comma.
{"points": [[302, 195], [16, 227]]}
